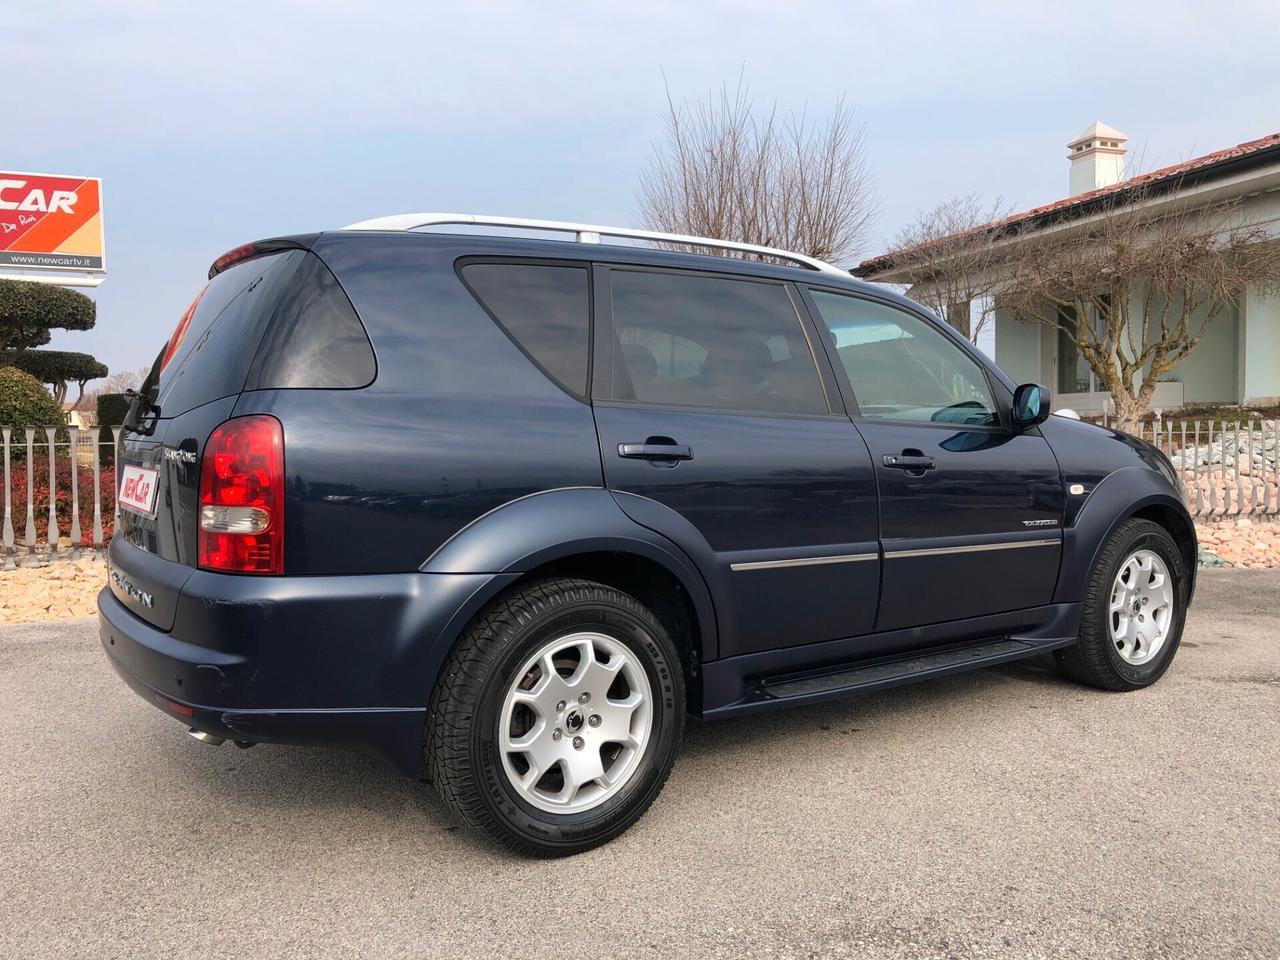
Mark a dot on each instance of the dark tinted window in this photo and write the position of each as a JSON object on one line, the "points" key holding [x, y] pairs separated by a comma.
{"points": [[901, 367], [220, 340], [315, 338], [700, 341], [543, 308]]}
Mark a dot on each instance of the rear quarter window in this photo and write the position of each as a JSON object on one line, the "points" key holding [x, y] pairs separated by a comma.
{"points": [[545, 309], [315, 338]]}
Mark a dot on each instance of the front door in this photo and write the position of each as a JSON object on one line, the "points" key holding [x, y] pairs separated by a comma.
{"points": [[718, 429], [970, 511]]}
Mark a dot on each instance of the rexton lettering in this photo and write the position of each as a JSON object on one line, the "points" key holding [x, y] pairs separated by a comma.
{"points": [[57, 201]]}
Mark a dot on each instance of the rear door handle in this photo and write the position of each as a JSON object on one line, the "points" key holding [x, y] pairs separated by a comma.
{"points": [[903, 461], [655, 451]]}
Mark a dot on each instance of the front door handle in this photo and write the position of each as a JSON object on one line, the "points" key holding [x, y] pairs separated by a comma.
{"points": [[655, 451], [903, 461]]}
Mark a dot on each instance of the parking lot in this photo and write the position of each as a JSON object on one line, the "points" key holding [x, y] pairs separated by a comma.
{"points": [[1000, 813]]}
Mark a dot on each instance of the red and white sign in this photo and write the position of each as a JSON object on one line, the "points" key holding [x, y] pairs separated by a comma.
{"points": [[51, 222], [138, 489]]}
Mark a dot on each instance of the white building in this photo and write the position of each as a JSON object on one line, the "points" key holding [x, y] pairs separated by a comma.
{"points": [[1237, 360]]}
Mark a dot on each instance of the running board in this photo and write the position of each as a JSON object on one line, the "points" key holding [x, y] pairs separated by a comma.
{"points": [[891, 673]]}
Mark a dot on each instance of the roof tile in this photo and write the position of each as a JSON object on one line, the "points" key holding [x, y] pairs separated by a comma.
{"points": [[1147, 179]]}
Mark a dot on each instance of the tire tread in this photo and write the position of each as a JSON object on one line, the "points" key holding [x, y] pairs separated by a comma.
{"points": [[1088, 660], [446, 739]]}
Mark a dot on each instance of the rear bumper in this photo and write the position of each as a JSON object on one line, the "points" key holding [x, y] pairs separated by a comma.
{"points": [[297, 659]]}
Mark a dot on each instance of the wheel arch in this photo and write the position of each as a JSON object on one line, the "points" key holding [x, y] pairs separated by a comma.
{"points": [[1130, 492], [580, 532]]}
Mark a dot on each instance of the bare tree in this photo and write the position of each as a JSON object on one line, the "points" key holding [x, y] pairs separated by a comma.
{"points": [[947, 257], [1136, 285], [118, 382], [723, 171]]}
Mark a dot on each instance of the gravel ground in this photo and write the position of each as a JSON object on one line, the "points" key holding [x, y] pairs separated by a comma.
{"points": [[60, 591], [1004, 813]]}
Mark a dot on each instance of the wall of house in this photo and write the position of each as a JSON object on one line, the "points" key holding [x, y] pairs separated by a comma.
{"points": [[1210, 373], [1260, 346], [1018, 348]]}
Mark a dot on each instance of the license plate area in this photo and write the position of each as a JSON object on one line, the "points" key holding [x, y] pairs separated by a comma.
{"points": [[138, 489]]}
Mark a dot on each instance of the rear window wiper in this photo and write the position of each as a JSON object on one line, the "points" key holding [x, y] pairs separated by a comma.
{"points": [[142, 406]]}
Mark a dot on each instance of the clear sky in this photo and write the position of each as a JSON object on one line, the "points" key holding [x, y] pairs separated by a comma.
{"points": [[216, 123]]}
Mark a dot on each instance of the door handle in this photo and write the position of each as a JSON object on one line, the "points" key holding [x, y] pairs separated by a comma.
{"points": [[655, 451], [905, 461]]}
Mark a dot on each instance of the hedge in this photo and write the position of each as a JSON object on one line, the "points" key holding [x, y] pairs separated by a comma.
{"points": [[24, 402], [112, 408]]}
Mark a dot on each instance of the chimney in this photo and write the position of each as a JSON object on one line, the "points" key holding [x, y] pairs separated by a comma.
{"points": [[1097, 158]]}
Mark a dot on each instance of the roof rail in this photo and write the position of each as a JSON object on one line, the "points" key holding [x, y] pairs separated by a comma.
{"points": [[586, 233]]}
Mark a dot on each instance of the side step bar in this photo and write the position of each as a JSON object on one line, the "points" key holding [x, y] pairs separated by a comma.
{"points": [[891, 673]]}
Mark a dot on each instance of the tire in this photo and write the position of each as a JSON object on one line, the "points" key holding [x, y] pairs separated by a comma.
{"points": [[490, 685], [1101, 660]]}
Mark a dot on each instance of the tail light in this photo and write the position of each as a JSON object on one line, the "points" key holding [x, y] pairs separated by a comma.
{"points": [[242, 497]]}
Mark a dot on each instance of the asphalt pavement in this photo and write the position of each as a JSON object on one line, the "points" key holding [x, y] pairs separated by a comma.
{"points": [[1003, 813]]}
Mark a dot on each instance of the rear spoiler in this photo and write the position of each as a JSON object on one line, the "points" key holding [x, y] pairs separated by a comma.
{"points": [[260, 247]]}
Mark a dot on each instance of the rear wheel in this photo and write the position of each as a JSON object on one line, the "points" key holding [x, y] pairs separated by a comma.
{"points": [[1135, 603], [556, 721]]}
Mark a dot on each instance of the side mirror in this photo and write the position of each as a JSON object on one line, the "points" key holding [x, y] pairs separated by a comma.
{"points": [[1030, 405]]}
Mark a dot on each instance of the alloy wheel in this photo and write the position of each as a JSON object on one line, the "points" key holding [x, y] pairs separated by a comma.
{"points": [[575, 722], [1141, 612]]}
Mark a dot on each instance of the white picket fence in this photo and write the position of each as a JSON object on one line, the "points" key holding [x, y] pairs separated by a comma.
{"points": [[34, 457], [1226, 467]]}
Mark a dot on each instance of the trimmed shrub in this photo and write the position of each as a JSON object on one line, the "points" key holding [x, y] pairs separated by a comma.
{"points": [[28, 310], [25, 403], [55, 367], [112, 408]]}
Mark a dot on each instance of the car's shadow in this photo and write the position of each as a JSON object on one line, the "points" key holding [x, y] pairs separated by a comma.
{"points": [[307, 781]]}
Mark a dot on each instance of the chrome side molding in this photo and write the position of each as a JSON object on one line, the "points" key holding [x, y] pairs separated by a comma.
{"points": [[802, 562], [971, 548]]}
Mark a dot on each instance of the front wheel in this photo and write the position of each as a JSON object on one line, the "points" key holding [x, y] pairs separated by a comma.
{"points": [[1134, 607], [556, 720]]}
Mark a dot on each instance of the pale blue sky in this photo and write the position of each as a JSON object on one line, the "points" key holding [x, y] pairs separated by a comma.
{"points": [[212, 124]]}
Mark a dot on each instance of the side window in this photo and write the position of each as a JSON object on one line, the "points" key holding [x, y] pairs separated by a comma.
{"points": [[901, 368], [315, 338], [699, 341], [545, 309]]}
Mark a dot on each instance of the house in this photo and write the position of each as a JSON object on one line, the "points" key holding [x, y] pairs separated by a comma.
{"points": [[1237, 360], [75, 417]]}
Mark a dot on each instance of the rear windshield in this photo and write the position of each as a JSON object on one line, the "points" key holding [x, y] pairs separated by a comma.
{"points": [[214, 351], [275, 321]]}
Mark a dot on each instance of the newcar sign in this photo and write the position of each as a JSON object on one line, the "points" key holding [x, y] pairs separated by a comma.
{"points": [[51, 222]]}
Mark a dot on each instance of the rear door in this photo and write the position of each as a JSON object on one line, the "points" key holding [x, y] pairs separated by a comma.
{"points": [[970, 510], [194, 382], [718, 428], [278, 320]]}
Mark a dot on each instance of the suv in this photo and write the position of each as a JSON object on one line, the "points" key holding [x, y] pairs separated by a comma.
{"points": [[505, 509]]}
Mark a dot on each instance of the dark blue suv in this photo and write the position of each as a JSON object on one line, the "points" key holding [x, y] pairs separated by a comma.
{"points": [[505, 509]]}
